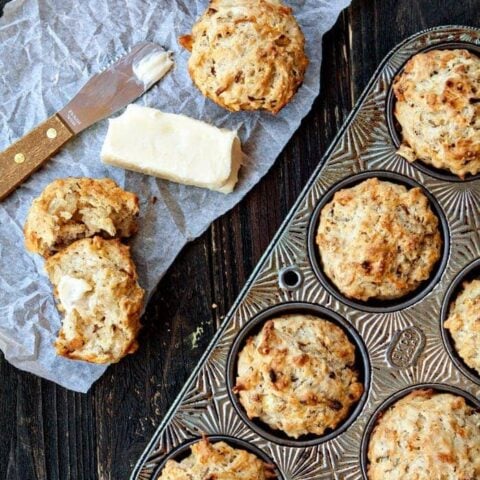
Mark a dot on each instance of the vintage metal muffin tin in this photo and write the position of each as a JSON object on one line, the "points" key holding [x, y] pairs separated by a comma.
{"points": [[400, 345]]}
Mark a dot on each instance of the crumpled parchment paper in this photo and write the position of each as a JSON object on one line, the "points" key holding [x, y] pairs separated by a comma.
{"points": [[48, 50]]}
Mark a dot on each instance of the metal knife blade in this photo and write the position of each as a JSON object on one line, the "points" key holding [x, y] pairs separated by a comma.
{"points": [[102, 95], [109, 91]]}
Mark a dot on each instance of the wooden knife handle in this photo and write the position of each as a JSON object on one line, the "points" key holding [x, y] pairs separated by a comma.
{"points": [[26, 155]]}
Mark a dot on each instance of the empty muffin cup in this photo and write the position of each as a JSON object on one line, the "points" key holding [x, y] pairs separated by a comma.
{"points": [[375, 305], [343, 330]]}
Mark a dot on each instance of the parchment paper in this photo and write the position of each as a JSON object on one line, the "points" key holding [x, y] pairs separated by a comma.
{"points": [[48, 50]]}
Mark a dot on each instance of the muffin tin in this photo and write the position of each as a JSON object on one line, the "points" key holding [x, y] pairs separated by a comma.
{"points": [[400, 345]]}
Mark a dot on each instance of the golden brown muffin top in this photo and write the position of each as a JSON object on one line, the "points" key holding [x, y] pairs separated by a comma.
{"points": [[424, 436], [463, 322], [378, 240], [73, 208], [247, 54], [217, 461], [438, 108], [298, 375], [95, 282]]}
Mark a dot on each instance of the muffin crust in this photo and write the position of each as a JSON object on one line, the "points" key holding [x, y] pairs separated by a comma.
{"points": [[378, 240], [247, 54], [211, 461], [95, 282], [298, 375], [463, 322], [438, 108], [426, 435], [73, 208]]}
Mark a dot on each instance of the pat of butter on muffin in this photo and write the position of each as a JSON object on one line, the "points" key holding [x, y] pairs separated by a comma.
{"points": [[72, 290], [173, 147]]}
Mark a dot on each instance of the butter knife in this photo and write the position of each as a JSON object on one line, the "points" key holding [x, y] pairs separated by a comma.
{"points": [[104, 94]]}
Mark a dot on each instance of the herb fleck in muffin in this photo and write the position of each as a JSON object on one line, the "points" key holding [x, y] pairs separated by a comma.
{"points": [[464, 324], [247, 54], [209, 461], [298, 375], [438, 108], [378, 240], [426, 436]]}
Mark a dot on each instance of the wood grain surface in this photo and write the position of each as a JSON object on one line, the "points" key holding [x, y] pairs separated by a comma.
{"points": [[50, 433], [30, 152]]}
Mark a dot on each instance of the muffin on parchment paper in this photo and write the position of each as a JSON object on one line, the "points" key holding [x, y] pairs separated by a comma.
{"points": [[73, 208], [438, 108], [217, 461], [247, 54], [378, 240], [426, 435], [298, 375], [95, 283], [463, 322]]}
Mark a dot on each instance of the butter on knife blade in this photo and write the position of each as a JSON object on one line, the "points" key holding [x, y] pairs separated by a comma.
{"points": [[104, 94], [173, 147]]}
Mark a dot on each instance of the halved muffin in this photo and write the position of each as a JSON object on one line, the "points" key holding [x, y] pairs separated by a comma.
{"points": [[73, 208], [95, 282]]}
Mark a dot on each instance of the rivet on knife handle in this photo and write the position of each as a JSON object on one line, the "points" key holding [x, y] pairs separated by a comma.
{"points": [[26, 155]]}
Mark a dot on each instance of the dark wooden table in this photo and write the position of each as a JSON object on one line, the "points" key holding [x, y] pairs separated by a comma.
{"points": [[47, 432]]}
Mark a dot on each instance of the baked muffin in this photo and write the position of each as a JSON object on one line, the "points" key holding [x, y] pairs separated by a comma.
{"points": [[425, 436], [247, 54], [73, 208], [378, 240], [438, 108], [298, 375], [217, 461], [95, 282], [463, 322]]}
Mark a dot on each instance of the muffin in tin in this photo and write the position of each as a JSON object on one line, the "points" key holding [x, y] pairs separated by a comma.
{"points": [[463, 322], [438, 109], [378, 240], [247, 54], [298, 375], [426, 435], [217, 461]]}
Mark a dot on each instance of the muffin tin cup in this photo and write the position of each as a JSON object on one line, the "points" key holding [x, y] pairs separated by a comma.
{"points": [[374, 306], [438, 387], [470, 272], [253, 327], [183, 451], [398, 343], [395, 129]]}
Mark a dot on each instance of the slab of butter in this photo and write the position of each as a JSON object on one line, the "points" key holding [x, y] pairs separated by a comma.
{"points": [[173, 147]]}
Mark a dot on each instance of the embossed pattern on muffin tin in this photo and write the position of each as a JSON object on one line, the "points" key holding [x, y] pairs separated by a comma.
{"points": [[405, 346]]}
